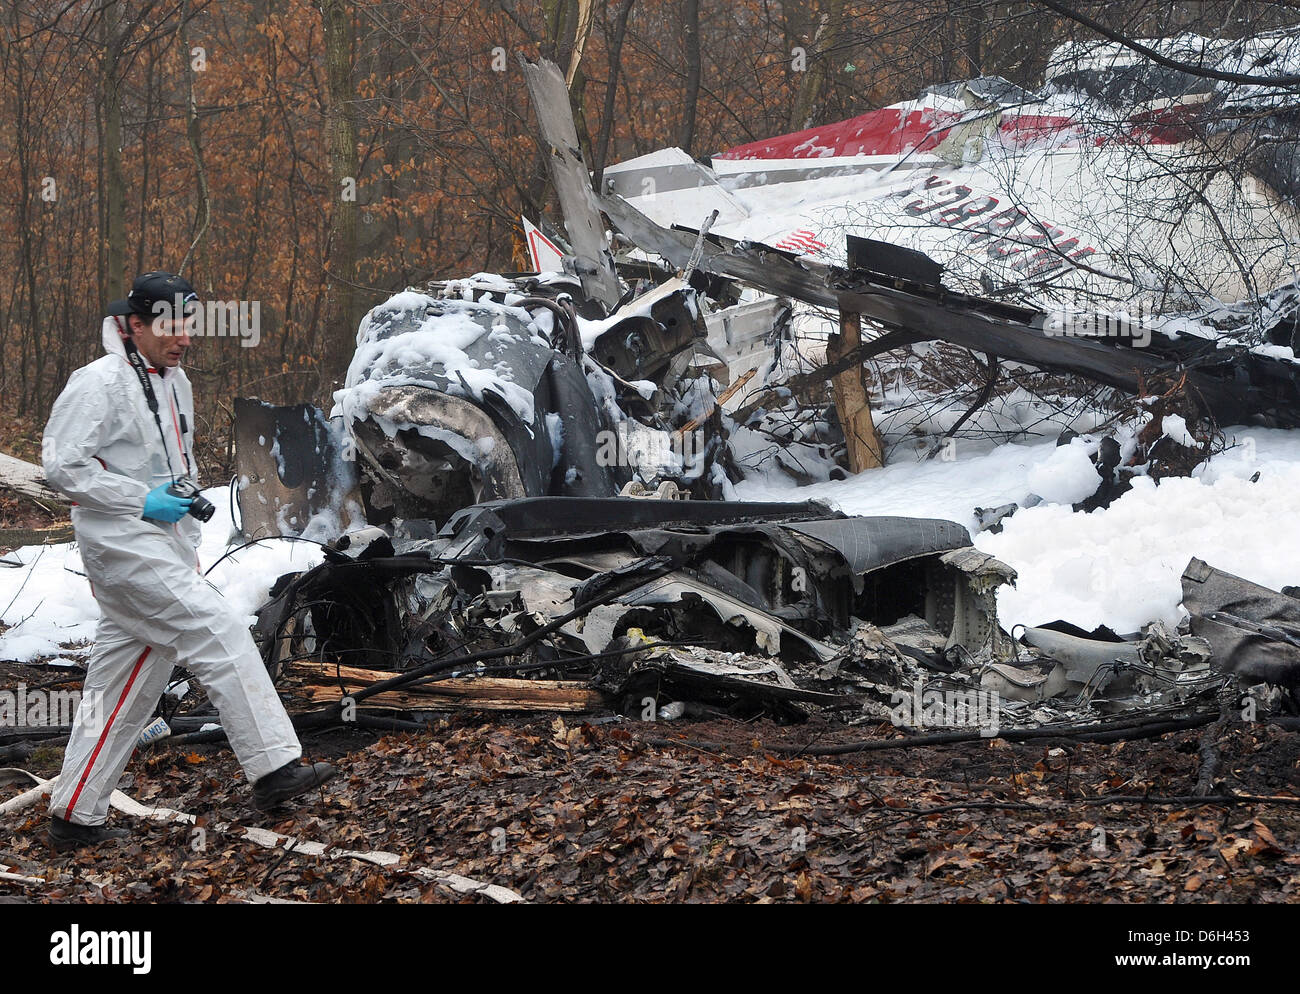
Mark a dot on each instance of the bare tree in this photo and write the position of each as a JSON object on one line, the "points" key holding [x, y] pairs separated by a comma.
{"points": [[344, 174]]}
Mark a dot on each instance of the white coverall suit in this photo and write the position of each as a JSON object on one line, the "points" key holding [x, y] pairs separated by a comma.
{"points": [[103, 450]]}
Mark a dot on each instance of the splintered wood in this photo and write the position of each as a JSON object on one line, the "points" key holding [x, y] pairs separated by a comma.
{"points": [[852, 400], [323, 683]]}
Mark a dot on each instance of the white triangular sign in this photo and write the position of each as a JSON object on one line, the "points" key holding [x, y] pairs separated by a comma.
{"points": [[544, 253]]}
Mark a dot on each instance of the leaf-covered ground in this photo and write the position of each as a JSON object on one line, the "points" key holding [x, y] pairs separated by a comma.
{"points": [[558, 810]]}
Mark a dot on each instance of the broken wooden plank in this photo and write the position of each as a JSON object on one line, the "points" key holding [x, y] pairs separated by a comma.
{"points": [[852, 399], [496, 700], [699, 420], [485, 693]]}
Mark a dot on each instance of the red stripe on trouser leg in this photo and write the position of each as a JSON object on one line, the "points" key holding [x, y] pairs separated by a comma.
{"points": [[103, 736]]}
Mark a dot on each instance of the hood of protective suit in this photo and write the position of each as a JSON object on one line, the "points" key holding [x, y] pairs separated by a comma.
{"points": [[113, 345], [112, 338]]}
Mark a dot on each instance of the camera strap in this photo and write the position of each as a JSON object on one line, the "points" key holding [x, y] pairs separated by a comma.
{"points": [[185, 432], [136, 360]]}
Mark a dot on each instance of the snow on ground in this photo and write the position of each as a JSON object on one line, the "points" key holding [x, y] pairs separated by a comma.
{"points": [[1119, 566], [48, 603]]}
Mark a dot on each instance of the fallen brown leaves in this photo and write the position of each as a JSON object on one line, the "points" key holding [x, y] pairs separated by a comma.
{"points": [[559, 810]]}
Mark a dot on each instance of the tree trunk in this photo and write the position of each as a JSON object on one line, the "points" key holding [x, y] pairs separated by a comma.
{"points": [[341, 253], [113, 220], [852, 400], [974, 39], [27, 479], [818, 70], [691, 39], [611, 91], [196, 146]]}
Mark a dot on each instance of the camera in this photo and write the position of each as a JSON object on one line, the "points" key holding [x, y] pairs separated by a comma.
{"points": [[200, 507]]}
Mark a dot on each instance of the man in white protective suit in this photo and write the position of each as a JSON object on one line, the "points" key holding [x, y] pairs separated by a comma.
{"points": [[119, 437]]}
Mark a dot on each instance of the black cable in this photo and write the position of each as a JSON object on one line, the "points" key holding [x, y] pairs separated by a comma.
{"points": [[264, 538], [185, 431], [661, 567], [240, 524]]}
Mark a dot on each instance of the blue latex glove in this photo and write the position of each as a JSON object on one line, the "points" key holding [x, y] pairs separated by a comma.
{"points": [[162, 506]]}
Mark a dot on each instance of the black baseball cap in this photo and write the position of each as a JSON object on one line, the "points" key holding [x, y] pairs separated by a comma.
{"points": [[149, 289]]}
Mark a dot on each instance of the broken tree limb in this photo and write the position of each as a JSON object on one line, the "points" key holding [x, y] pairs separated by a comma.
{"points": [[28, 480], [1209, 748], [852, 400], [18, 878], [480, 693], [1121, 729], [12, 734], [20, 751], [18, 538], [1235, 384], [694, 260], [856, 356], [28, 797]]}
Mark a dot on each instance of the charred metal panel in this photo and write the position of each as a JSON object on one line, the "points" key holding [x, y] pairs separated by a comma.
{"points": [[293, 464], [1254, 631], [641, 346], [870, 543], [594, 264], [454, 455]]}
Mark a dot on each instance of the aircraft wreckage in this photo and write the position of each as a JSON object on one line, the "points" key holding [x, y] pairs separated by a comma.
{"points": [[509, 525], [522, 491]]}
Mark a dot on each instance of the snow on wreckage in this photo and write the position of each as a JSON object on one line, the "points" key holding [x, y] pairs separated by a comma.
{"points": [[466, 545], [492, 553]]}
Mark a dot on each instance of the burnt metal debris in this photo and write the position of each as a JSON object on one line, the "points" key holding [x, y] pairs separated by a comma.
{"points": [[453, 401], [511, 519], [1237, 385], [666, 609], [484, 554], [739, 608]]}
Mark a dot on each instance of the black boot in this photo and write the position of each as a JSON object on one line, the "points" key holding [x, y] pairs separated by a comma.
{"points": [[65, 836], [288, 782]]}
